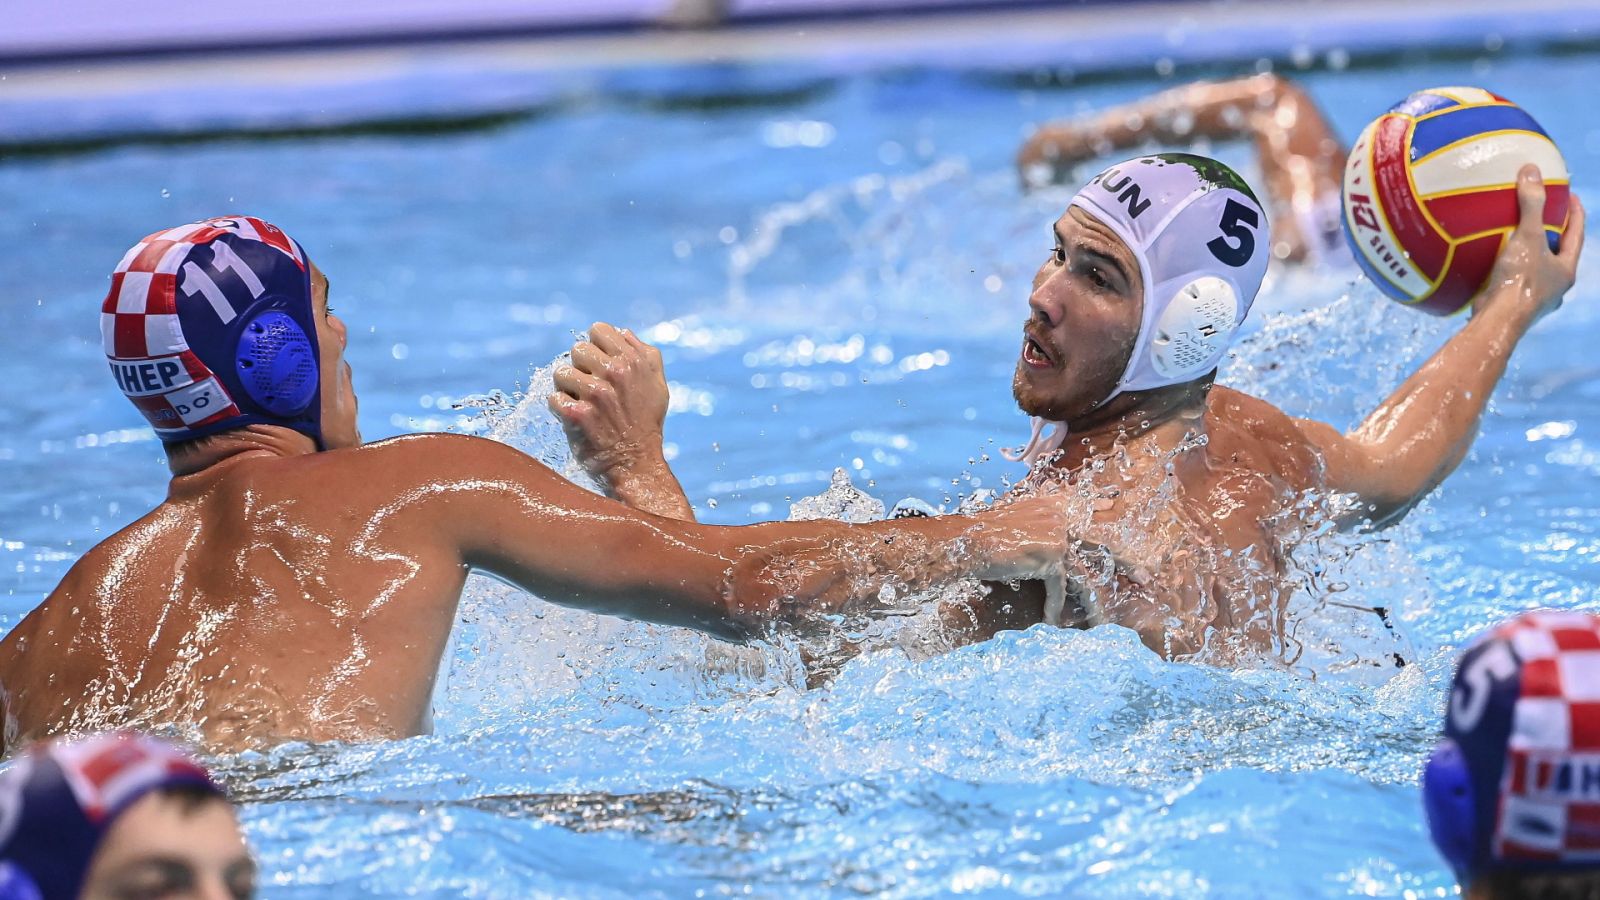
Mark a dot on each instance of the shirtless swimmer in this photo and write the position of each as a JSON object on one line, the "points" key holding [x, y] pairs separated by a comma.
{"points": [[298, 584], [1197, 489]]}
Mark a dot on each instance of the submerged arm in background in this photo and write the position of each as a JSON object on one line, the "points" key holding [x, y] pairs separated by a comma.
{"points": [[612, 403], [1417, 436]]}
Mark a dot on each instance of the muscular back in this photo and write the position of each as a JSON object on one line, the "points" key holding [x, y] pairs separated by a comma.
{"points": [[310, 595], [280, 596]]}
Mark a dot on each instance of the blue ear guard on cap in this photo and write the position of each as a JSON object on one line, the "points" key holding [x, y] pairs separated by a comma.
{"points": [[16, 885], [266, 355], [1461, 785], [277, 364], [1452, 812]]}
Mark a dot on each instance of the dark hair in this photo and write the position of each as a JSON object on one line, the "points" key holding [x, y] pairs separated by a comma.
{"points": [[177, 451], [1538, 886], [191, 798], [175, 448]]}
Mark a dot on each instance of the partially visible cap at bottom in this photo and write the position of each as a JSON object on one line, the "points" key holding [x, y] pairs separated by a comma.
{"points": [[59, 800], [1515, 783]]}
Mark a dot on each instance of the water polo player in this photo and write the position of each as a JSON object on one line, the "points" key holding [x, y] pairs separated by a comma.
{"points": [[1302, 160], [1512, 791], [298, 584], [115, 816], [1156, 263]]}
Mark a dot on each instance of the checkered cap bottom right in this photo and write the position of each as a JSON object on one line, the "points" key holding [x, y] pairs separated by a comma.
{"points": [[1549, 806]]}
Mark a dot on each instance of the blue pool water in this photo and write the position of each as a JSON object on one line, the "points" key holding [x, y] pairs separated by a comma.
{"points": [[836, 278]]}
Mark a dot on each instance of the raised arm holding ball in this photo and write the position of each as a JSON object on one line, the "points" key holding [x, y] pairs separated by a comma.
{"points": [[1195, 489]]}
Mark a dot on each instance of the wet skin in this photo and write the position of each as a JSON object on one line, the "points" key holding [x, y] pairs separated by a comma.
{"points": [[1197, 545], [1191, 558], [280, 592]]}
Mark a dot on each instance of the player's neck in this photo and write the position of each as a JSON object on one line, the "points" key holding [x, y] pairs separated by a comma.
{"points": [[1161, 415], [208, 457]]}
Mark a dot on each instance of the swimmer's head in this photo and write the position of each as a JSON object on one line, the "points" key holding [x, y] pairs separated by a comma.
{"points": [[1513, 789], [223, 324], [1156, 263], [113, 816]]}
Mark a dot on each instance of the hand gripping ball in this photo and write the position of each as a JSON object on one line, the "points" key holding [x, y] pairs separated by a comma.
{"points": [[1430, 193]]}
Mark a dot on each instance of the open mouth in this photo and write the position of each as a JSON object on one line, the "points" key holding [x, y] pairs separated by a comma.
{"points": [[1034, 354]]}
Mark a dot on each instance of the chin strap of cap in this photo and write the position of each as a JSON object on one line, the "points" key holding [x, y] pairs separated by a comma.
{"points": [[1040, 445]]}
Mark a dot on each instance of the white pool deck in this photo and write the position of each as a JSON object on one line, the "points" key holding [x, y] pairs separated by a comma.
{"points": [[63, 85]]}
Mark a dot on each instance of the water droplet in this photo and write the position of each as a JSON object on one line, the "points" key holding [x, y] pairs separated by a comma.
{"points": [[711, 503]]}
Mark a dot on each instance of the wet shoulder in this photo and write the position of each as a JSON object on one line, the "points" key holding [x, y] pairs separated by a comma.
{"points": [[112, 570], [1251, 431], [373, 474], [418, 458]]}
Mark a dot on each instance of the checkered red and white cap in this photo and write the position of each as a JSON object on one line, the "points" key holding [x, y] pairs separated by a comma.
{"points": [[1550, 789], [169, 323], [1514, 785]]}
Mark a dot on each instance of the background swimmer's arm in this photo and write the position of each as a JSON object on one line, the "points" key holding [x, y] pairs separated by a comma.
{"points": [[612, 402], [1220, 111], [1421, 433], [1269, 108], [1301, 159], [509, 515]]}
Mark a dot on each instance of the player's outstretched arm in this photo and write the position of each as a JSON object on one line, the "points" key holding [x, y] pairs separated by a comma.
{"points": [[612, 403], [502, 512], [1417, 437]]}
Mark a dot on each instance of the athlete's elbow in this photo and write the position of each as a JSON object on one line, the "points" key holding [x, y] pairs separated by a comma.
{"points": [[1379, 509], [1378, 516], [1386, 482]]}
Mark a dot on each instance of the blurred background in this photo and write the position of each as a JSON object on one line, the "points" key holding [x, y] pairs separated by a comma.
{"points": [[82, 72]]}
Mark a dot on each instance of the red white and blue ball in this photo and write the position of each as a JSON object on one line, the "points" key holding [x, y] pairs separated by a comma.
{"points": [[1430, 193]]}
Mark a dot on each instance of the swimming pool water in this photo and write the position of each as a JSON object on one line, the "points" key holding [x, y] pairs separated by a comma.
{"points": [[836, 278]]}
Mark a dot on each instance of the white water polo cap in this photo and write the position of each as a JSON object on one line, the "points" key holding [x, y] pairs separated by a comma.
{"points": [[1202, 242]]}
